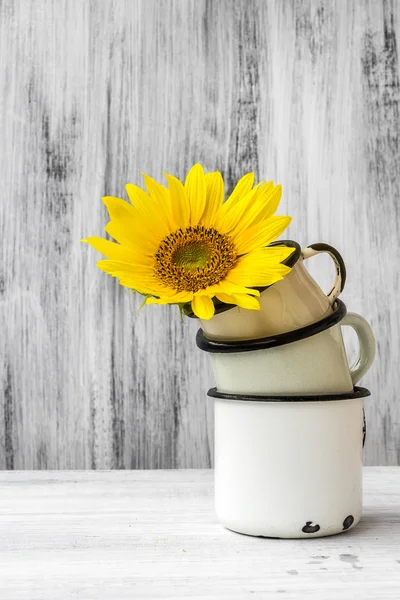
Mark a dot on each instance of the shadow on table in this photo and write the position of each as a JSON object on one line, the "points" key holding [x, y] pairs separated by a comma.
{"points": [[379, 522], [375, 523]]}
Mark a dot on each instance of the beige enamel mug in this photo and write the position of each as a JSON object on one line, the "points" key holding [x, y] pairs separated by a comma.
{"points": [[295, 301], [310, 360]]}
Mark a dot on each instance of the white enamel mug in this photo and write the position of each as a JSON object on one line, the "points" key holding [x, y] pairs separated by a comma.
{"points": [[288, 467], [310, 360], [289, 304]]}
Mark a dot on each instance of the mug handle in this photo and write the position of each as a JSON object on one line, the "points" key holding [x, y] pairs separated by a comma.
{"points": [[340, 267], [366, 340]]}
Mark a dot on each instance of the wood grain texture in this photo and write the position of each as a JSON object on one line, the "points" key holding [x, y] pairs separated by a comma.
{"points": [[92, 93], [143, 534]]}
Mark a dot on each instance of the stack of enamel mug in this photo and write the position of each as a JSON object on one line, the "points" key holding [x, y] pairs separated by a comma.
{"points": [[289, 421]]}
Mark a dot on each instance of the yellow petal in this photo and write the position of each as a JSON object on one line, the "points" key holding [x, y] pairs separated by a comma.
{"points": [[203, 307], [226, 220], [118, 234], [160, 196], [242, 300], [260, 278], [262, 234], [179, 298], [134, 275], [214, 197], [132, 268], [271, 204], [110, 249], [259, 268], [129, 282], [141, 278], [242, 187], [129, 225], [269, 256], [136, 195], [119, 209], [155, 189], [227, 287], [246, 211], [179, 201], [135, 240], [195, 186], [151, 212]]}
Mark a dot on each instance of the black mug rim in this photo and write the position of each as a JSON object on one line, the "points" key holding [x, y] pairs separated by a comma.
{"points": [[358, 392], [281, 339], [221, 307]]}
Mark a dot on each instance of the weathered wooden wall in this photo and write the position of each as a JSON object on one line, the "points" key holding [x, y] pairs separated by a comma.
{"points": [[92, 93]]}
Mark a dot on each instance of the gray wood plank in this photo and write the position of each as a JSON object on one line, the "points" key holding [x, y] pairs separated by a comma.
{"points": [[305, 93], [123, 534]]}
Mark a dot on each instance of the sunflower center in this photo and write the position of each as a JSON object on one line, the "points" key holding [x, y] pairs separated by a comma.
{"points": [[194, 258]]}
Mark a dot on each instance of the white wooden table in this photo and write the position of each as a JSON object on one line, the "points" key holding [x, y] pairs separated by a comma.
{"points": [[153, 534]]}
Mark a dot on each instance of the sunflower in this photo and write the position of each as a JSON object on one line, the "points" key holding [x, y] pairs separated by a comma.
{"points": [[184, 245]]}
